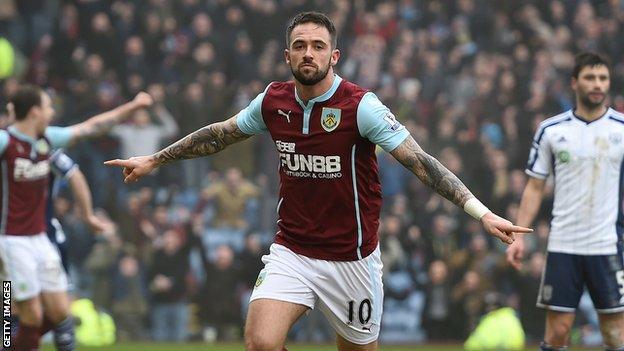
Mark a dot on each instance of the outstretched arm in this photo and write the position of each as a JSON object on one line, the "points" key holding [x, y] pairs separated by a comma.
{"points": [[101, 123], [203, 142], [431, 172]]}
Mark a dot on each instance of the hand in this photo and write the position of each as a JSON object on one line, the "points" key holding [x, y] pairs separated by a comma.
{"points": [[515, 253], [96, 224], [161, 283], [143, 100], [502, 228], [134, 167]]}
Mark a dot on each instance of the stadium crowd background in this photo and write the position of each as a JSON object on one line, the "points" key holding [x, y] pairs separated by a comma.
{"points": [[470, 79]]}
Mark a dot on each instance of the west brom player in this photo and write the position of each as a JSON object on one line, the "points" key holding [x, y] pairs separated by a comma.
{"points": [[583, 149], [326, 251], [29, 259], [64, 169]]}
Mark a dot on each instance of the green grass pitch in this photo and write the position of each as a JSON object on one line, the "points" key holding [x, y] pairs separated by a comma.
{"points": [[239, 347]]}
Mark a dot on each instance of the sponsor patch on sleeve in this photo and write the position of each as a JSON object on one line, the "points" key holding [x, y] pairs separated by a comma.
{"points": [[393, 124]]}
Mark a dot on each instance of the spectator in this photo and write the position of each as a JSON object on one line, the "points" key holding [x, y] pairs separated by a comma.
{"points": [[150, 134], [437, 312], [467, 299], [250, 260], [219, 304], [129, 305], [231, 197], [168, 287]]}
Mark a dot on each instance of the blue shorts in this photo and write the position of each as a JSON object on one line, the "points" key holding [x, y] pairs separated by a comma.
{"points": [[566, 275]]}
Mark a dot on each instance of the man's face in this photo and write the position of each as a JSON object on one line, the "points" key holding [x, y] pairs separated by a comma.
{"points": [[141, 118], [592, 85], [310, 54], [43, 114]]}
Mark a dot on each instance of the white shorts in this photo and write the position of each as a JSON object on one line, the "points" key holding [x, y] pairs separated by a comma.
{"points": [[32, 264], [349, 294]]}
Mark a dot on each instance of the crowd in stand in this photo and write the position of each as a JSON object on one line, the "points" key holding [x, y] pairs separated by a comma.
{"points": [[470, 79]]}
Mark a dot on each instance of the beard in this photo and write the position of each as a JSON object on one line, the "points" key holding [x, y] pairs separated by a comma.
{"points": [[589, 103], [311, 78]]}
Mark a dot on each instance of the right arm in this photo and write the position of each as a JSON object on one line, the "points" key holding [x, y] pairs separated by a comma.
{"points": [[529, 206], [539, 167], [203, 142], [531, 201]]}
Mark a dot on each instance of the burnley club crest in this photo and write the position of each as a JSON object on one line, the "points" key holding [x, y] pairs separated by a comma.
{"points": [[330, 118]]}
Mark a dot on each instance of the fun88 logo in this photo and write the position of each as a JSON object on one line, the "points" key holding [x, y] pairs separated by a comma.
{"points": [[310, 163]]}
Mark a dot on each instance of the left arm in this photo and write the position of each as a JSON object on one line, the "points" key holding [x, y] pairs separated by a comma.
{"points": [[431, 172], [99, 124], [82, 196]]}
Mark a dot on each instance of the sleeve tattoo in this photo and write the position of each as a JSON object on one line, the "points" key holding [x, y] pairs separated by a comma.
{"points": [[205, 141], [431, 172]]}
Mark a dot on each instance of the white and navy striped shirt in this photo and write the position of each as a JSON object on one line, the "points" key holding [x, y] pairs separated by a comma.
{"points": [[586, 160]]}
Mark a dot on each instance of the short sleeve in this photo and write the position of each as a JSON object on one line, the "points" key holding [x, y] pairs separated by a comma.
{"points": [[249, 120], [59, 137], [377, 124], [61, 164], [539, 164], [4, 140]]}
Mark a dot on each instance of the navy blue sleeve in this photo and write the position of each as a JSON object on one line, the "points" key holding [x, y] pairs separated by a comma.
{"points": [[61, 164]]}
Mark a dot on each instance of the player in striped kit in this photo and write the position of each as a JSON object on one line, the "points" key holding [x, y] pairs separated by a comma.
{"points": [[326, 250], [28, 258], [583, 150], [63, 168]]}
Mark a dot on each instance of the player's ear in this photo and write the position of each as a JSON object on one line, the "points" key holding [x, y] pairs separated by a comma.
{"points": [[334, 57], [287, 56], [36, 110], [573, 83]]}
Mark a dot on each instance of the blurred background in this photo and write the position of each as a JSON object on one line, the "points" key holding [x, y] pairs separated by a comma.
{"points": [[470, 79]]}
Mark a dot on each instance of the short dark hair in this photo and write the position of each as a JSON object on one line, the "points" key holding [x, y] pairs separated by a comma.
{"points": [[312, 17], [590, 59], [26, 97]]}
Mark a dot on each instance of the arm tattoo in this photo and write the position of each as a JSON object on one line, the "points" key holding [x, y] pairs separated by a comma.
{"points": [[206, 141], [431, 172]]}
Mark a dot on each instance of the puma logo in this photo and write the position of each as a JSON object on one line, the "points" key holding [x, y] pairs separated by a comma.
{"points": [[287, 115]]}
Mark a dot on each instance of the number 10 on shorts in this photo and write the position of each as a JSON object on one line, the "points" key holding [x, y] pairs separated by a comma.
{"points": [[364, 311]]}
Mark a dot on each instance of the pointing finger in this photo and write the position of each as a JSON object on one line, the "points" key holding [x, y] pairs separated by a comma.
{"points": [[518, 229], [116, 162]]}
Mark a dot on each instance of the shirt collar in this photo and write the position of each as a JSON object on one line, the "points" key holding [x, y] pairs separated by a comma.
{"points": [[323, 97]]}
